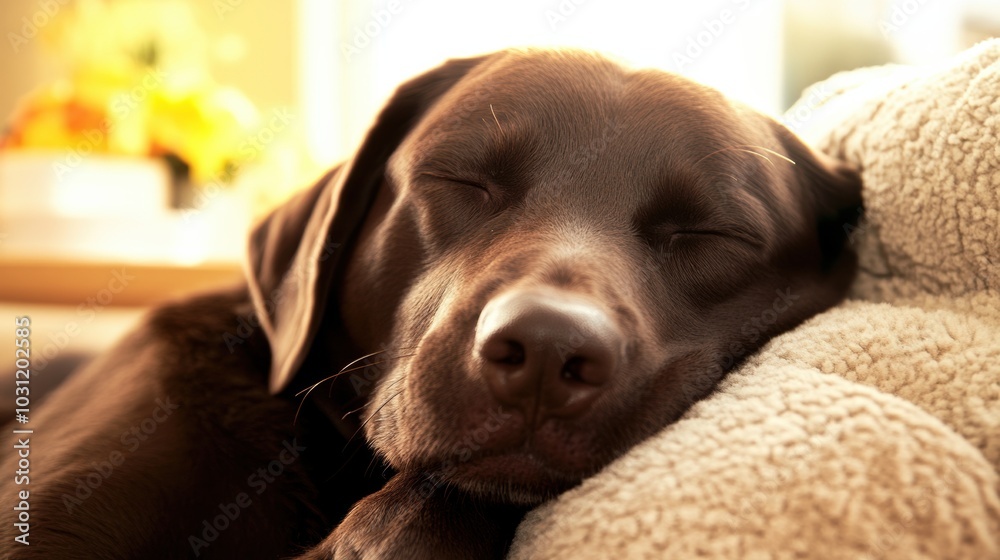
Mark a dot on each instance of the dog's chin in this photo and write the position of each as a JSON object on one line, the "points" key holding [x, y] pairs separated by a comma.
{"points": [[515, 477]]}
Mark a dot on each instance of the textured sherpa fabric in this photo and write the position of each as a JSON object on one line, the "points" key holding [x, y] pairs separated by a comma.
{"points": [[820, 468], [872, 430]]}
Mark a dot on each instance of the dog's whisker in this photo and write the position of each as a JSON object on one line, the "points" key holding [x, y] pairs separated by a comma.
{"points": [[362, 407], [309, 389], [356, 368], [778, 154], [716, 152], [295, 420], [348, 369], [351, 363], [758, 154], [373, 414], [399, 357], [359, 409], [745, 149], [496, 119]]}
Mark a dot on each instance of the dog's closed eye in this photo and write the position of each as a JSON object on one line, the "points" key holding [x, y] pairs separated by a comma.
{"points": [[457, 180]]}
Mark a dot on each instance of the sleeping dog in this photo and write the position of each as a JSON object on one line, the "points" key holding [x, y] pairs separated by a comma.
{"points": [[534, 261]]}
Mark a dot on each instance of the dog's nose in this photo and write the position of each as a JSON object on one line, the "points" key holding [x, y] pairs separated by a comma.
{"points": [[547, 351]]}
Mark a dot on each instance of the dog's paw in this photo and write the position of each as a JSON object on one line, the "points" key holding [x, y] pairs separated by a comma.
{"points": [[410, 520], [354, 539]]}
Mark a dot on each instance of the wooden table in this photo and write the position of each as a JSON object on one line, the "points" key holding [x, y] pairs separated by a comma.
{"points": [[64, 282]]}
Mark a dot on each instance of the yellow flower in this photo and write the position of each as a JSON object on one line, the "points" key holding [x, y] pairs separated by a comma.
{"points": [[204, 127], [53, 118], [139, 85]]}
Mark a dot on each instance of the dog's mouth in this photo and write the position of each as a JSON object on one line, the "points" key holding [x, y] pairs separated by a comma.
{"points": [[524, 477], [518, 461]]}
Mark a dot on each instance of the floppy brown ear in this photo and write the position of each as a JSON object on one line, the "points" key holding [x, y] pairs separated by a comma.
{"points": [[295, 252], [833, 195]]}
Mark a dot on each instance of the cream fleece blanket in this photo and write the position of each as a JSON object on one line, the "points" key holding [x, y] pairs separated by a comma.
{"points": [[873, 430]]}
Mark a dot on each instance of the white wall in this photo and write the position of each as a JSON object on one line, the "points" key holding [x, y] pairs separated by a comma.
{"points": [[734, 45]]}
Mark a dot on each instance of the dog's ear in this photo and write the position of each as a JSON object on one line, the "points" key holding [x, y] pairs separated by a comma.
{"points": [[295, 252], [832, 191]]}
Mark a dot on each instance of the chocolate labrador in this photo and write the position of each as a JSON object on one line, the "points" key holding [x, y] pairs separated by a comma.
{"points": [[534, 261]]}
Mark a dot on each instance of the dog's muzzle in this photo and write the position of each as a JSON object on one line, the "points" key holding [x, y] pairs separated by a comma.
{"points": [[547, 351]]}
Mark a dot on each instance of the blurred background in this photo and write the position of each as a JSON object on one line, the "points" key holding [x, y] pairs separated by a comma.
{"points": [[142, 138]]}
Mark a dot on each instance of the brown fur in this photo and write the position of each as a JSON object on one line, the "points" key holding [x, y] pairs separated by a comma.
{"points": [[696, 228]]}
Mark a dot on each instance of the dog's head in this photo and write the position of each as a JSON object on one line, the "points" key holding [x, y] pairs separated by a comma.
{"points": [[557, 257]]}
